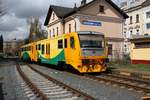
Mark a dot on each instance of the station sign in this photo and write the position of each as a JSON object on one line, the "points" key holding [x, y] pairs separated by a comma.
{"points": [[91, 23]]}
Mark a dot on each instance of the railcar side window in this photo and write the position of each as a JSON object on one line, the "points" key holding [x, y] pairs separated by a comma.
{"points": [[36, 47], [39, 46], [65, 44], [43, 49], [60, 44], [47, 48], [72, 42]]}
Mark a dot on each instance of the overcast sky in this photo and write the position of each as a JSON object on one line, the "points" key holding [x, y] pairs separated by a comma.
{"points": [[13, 24]]}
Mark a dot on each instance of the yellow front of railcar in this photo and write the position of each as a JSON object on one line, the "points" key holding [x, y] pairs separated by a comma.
{"points": [[87, 52]]}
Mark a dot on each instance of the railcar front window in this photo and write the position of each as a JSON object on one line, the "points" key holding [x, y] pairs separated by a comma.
{"points": [[91, 41], [91, 44]]}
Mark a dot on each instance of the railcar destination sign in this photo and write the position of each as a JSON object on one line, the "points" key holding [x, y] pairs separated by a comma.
{"points": [[91, 23]]}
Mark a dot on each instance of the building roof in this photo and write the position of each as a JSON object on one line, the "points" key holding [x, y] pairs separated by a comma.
{"points": [[143, 4], [140, 38], [146, 3], [63, 12]]}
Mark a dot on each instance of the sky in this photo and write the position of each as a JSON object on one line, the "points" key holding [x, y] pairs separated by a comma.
{"points": [[13, 25]]}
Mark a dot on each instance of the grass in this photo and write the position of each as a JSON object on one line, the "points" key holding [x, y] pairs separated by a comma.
{"points": [[131, 67]]}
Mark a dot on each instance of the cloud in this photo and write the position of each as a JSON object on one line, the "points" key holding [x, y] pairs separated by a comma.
{"points": [[13, 24], [9, 22]]}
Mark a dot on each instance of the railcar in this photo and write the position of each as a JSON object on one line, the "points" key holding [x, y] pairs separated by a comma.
{"points": [[84, 51]]}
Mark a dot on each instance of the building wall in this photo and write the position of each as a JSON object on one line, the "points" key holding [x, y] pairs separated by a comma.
{"points": [[131, 29], [11, 48], [93, 9], [146, 20], [139, 54], [53, 18], [52, 30], [135, 28], [109, 28], [111, 23], [54, 22]]}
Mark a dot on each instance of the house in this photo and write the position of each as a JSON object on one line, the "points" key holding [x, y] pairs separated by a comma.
{"points": [[98, 15], [138, 22]]}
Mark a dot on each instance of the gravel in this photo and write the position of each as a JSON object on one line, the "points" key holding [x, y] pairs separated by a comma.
{"points": [[96, 89], [11, 89]]}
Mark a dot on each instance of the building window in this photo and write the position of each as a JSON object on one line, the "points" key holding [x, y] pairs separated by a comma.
{"points": [[131, 33], [148, 14], [101, 9], [53, 16], [137, 32], [72, 42], [75, 26], [130, 19], [49, 33], [137, 18], [57, 31], [69, 28], [148, 25], [109, 49], [65, 44], [60, 44], [53, 32], [125, 34], [124, 23]]}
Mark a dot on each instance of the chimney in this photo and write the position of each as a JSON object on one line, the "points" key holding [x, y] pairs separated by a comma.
{"points": [[75, 5], [83, 2]]}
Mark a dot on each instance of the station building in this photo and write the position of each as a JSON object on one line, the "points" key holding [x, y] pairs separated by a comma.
{"points": [[98, 15]]}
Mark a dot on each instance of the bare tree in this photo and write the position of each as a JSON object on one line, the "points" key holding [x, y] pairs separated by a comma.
{"points": [[3, 9], [35, 30]]}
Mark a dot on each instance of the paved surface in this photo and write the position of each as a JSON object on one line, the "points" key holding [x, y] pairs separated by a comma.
{"points": [[100, 91]]}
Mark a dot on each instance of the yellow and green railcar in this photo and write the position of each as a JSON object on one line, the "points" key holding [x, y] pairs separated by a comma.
{"points": [[85, 51]]}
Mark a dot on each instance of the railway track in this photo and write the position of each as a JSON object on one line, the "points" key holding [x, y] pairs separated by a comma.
{"points": [[142, 86], [43, 87]]}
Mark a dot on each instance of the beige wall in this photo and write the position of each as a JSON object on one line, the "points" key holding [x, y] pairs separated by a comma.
{"points": [[50, 29], [55, 18], [111, 20], [110, 29], [93, 9]]}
